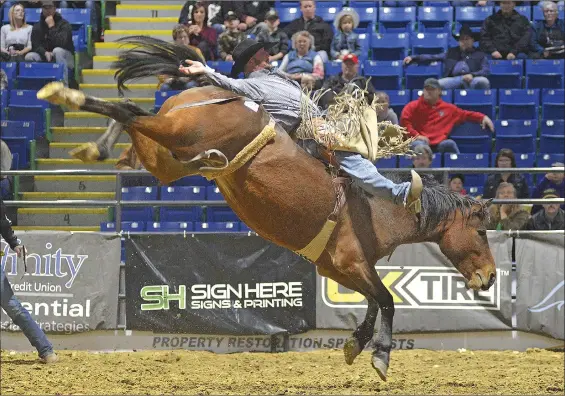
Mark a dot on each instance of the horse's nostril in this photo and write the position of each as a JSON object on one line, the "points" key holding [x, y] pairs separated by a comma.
{"points": [[491, 279]]}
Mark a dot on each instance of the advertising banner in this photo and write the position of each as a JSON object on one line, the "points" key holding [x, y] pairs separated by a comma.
{"points": [[540, 285], [217, 284], [429, 293], [71, 283]]}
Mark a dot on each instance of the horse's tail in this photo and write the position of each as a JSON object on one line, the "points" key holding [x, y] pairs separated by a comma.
{"points": [[150, 57]]}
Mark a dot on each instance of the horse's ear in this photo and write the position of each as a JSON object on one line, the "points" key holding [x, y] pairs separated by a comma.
{"points": [[488, 202]]}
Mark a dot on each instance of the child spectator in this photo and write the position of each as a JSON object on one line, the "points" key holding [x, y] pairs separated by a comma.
{"points": [[386, 113], [274, 35], [231, 37], [345, 40], [456, 183]]}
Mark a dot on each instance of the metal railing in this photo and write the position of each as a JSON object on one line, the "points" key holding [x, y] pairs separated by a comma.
{"points": [[118, 203]]}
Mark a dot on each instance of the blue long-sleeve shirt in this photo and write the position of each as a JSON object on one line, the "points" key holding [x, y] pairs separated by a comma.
{"points": [[543, 185], [545, 36]]}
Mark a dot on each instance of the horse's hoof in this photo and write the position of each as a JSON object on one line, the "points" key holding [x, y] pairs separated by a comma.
{"points": [[86, 152], [380, 366], [57, 93], [351, 350]]}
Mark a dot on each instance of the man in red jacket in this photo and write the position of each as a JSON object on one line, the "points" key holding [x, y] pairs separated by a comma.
{"points": [[430, 120]]}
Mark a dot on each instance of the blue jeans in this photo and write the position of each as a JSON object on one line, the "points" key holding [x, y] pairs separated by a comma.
{"points": [[21, 317], [447, 146], [458, 83], [365, 174]]}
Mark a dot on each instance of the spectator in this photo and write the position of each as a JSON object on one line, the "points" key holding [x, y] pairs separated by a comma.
{"points": [[315, 25], [52, 39], [186, 12], [423, 158], [549, 34], [506, 34], [349, 75], [200, 35], [3, 81], [385, 113], [10, 303], [456, 183], [303, 64], [505, 159], [345, 40], [465, 67], [430, 120], [15, 37], [550, 181], [5, 165], [507, 216], [272, 34], [550, 217], [250, 14], [231, 37]]}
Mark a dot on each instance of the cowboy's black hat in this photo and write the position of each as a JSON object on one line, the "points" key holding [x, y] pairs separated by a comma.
{"points": [[466, 31], [245, 51]]}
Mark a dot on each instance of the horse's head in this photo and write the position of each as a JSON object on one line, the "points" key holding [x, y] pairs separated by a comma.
{"points": [[464, 242]]}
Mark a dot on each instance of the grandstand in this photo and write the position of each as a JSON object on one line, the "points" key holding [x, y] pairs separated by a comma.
{"points": [[526, 102]]}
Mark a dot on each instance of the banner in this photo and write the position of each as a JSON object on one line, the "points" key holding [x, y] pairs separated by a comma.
{"points": [[429, 293], [71, 283], [217, 284], [540, 285]]}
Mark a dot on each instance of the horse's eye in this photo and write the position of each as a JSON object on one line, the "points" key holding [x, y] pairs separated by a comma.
{"points": [[482, 232]]}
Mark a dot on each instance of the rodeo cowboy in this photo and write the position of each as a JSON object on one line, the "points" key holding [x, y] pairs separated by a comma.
{"points": [[283, 99]]}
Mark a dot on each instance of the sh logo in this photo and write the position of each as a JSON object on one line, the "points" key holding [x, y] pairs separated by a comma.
{"points": [[544, 305]]}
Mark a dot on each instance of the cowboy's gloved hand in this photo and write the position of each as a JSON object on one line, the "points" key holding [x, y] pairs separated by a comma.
{"points": [[19, 250]]}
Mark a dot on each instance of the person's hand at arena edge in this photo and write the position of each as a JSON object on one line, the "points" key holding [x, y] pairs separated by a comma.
{"points": [[193, 68], [487, 122]]}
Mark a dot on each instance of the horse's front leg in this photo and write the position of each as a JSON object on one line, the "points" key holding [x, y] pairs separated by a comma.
{"points": [[381, 355]]}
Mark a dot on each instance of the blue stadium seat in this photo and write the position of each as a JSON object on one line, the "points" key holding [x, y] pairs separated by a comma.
{"points": [[24, 129], [15, 161], [544, 73], [34, 75], [332, 68], [32, 15], [396, 3], [479, 100], [217, 227], [161, 97], [80, 20], [288, 13], [386, 75], [192, 181], [170, 226], [18, 145], [471, 16], [131, 226], [384, 163], [538, 13], [517, 143], [223, 67], [446, 95], [11, 70], [506, 73], [24, 106], [398, 99], [367, 14], [552, 144], [417, 74], [406, 161], [523, 10], [523, 160], [468, 160], [327, 10], [4, 94], [397, 19], [365, 43], [389, 46], [473, 191], [516, 127], [435, 19], [471, 138], [429, 43], [553, 106], [178, 213], [244, 227], [218, 213], [546, 160], [140, 213], [552, 127], [518, 104]]}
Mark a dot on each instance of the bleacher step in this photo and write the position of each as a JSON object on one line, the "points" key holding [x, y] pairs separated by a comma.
{"points": [[149, 23], [114, 35], [63, 195], [61, 149], [75, 183], [111, 90], [106, 76], [59, 163], [148, 10], [61, 216], [58, 228], [84, 119], [81, 134]]}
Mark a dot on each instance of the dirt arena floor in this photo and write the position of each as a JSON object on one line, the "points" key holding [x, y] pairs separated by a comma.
{"points": [[321, 372]]}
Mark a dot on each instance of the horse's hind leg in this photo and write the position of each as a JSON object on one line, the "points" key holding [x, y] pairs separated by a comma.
{"points": [[99, 150]]}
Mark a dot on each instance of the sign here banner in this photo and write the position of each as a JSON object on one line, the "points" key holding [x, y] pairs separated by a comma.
{"points": [[540, 284], [71, 283], [217, 284], [429, 293]]}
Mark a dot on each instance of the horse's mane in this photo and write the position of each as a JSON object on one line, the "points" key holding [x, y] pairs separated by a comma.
{"points": [[439, 203], [150, 57]]}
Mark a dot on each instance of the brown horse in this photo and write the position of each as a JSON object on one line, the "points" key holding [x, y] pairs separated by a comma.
{"points": [[286, 195]]}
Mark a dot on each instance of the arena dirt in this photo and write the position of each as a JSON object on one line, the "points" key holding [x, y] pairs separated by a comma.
{"points": [[321, 372]]}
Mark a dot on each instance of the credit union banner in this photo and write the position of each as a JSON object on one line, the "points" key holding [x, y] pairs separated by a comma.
{"points": [[71, 283], [429, 293]]}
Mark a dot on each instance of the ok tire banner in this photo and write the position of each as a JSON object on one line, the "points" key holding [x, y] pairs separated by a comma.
{"points": [[217, 284]]}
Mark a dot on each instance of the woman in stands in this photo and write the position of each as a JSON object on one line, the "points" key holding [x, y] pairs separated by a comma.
{"points": [[303, 64], [506, 159], [507, 216], [200, 34], [15, 37]]}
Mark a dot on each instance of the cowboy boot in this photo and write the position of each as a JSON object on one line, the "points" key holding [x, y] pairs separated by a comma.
{"points": [[414, 199]]}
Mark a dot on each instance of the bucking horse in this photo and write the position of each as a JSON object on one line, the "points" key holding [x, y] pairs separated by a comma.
{"points": [[284, 194]]}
